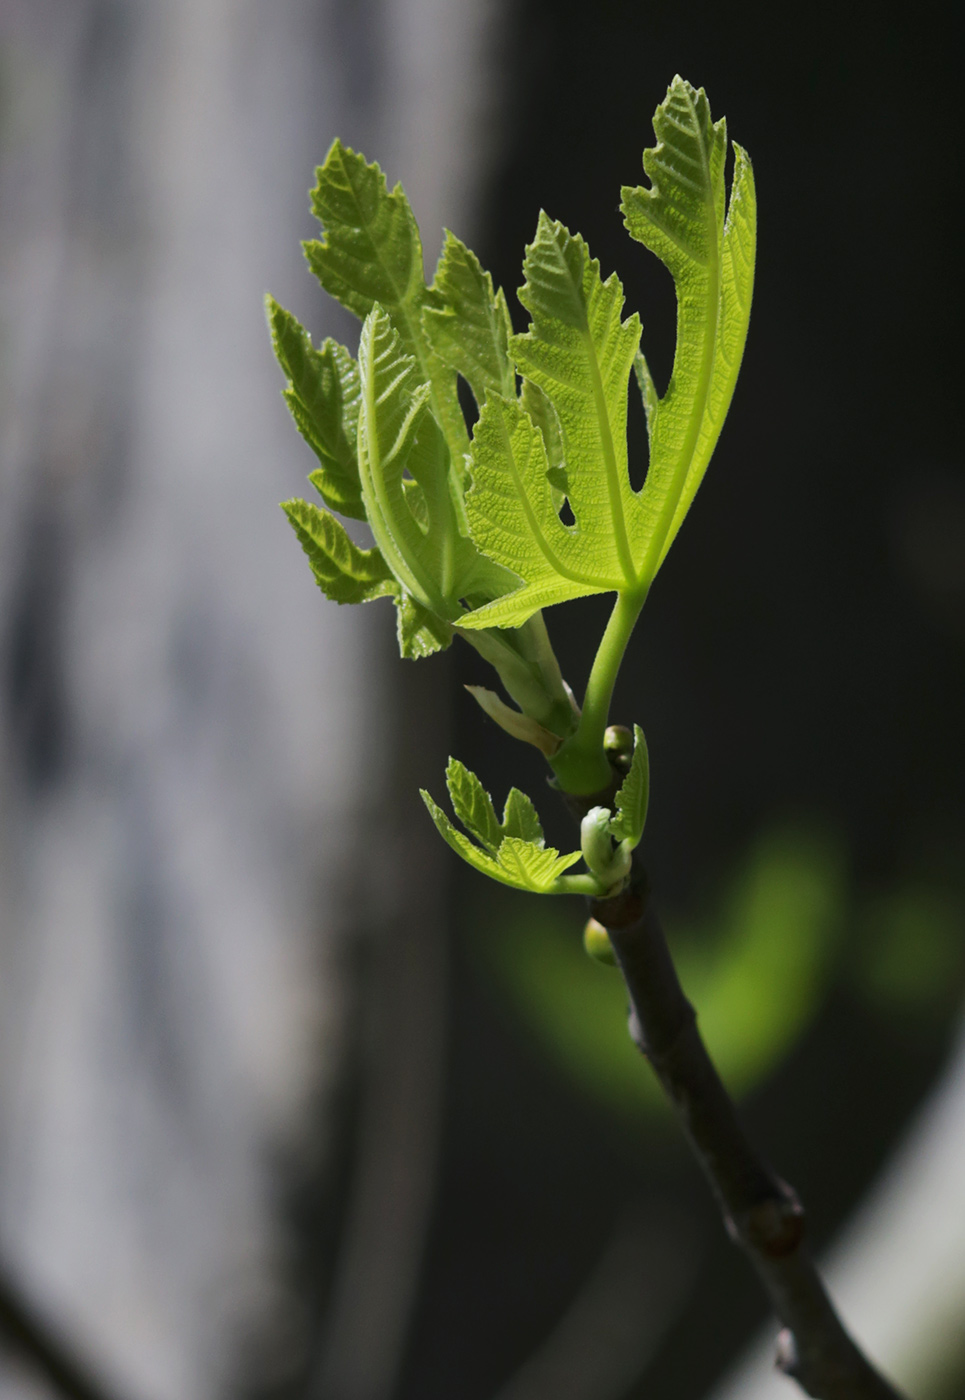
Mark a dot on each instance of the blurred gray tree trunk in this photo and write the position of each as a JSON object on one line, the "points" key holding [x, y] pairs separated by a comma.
{"points": [[192, 742]]}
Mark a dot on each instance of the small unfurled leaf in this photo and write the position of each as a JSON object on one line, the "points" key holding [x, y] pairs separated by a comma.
{"points": [[345, 573], [473, 805], [513, 850], [532, 867], [523, 864], [323, 397], [520, 818], [681, 219], [471, 853], [371, 253], [469, 328], [634, 794]]}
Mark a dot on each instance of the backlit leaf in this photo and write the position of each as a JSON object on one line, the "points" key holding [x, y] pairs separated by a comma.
{"points": [[533, 867], [520, 818], [578, 353], [323, 396], [400, 439], [520, 863], [345, 573], [371, 253], [473, 805], [419, 631], [711, 258], [470, 329], [513, 851], [633, 795], [513, 518]]}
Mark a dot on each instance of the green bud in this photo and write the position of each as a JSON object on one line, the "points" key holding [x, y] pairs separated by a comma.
{"points": [[597, 943], [618, 743], [608, 863], [595, 841]]}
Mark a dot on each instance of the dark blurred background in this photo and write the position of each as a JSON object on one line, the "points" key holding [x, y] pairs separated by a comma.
{"points": [[283, 1117]]}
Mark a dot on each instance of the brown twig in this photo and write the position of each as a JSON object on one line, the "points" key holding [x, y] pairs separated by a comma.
{"points": [[761, 1212]]}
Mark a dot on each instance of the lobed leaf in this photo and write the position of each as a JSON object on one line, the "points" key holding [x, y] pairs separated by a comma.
{"points": [[532, 867], [472, 854], [576, 360], [473, 806], [513, 851], [579, 354], [681, 218], [520, 863], [514, 521], [345, 573]]}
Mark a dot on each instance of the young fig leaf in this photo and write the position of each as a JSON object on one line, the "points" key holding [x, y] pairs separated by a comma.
{"points": [[634, 795], [473, 806], [532, 867], [514, 520], [520, 818], [371, 253], [523, 864], [711, 259], [344, 573], [470, 328], [323, 397], [580, 354]]}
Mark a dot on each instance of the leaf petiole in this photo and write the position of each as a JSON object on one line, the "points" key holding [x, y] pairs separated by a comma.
{"points": [[581, 765]]}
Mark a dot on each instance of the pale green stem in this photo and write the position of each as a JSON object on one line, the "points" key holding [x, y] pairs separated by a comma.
{"points": [[581, 764]]}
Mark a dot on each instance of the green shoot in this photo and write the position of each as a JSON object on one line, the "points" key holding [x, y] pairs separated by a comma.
{"points": [[469, 534]]}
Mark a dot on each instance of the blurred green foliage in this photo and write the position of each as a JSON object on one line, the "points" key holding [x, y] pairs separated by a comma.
{"points": [[757, 965], [913, 950]]}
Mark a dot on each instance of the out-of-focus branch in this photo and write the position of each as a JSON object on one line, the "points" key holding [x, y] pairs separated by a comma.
{"points": [[26, 1334], [762, 1213]]}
